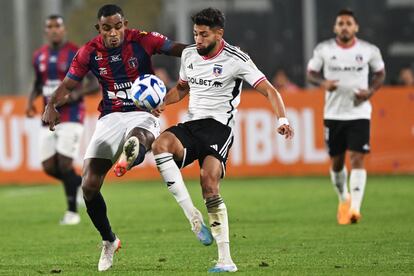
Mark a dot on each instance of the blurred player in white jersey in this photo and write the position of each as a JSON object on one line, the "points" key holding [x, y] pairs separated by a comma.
{"points": [[345, 62], [212, 72]]}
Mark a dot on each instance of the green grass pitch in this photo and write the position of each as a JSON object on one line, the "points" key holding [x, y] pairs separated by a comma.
{"points": [[278, 226]]}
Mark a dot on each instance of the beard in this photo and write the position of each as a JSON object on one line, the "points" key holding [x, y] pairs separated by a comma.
{"points": [[345, 38], [207, 50]]}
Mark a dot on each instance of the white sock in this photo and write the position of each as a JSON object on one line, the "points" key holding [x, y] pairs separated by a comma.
{"points": [[357, 182], [217, 215], [339, 181], [175, 183]]}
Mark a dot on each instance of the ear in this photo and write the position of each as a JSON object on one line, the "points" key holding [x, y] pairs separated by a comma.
{"points": [[97, 27], [357, 28], [219, 33], [126, 23]]}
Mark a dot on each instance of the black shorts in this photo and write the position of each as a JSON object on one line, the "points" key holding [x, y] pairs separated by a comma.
{"points": [[347, 135], [201, 138]]}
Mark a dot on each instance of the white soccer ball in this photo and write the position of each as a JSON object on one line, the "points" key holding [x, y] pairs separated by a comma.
{"points": [[148, 92]]}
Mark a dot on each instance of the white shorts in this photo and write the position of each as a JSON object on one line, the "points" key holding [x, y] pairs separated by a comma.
{"points": [[64, 140], [111, 130]]}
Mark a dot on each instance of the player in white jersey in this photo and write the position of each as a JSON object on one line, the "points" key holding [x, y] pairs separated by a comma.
{"points": [[345, 62], [211, 73]]}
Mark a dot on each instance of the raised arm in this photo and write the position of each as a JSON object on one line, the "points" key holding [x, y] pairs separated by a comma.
{"points": [[51, 115], [176, 49], [174, 95], [278, 107]]}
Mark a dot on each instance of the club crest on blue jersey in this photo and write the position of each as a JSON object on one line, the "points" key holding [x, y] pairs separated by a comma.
{"points": [[133, 62], [217, 70]]}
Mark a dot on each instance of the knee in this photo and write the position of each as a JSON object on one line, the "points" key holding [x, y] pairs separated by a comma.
{"points": [[209, 183], [51, 170], [160, 145], [90, 186], [357, 161], [64, 168]]}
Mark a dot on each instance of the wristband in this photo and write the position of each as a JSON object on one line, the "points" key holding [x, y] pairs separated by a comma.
{"points": [[283, 121]]}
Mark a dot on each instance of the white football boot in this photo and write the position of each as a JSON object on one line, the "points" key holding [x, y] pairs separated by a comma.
{"points": [[70, 218], [107, 254]]}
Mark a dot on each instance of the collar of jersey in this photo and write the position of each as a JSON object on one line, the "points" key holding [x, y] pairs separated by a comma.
{"points": [[220, 49], [346, 47]]}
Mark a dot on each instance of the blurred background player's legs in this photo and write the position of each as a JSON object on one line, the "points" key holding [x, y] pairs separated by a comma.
{"points": [[339, 178], [357, 182], [58, 149]]}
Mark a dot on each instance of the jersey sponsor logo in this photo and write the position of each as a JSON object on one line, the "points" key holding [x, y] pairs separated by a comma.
{"points": [[133, 62], [345, 68], [115, 58], [217, 70], [98, 56], [103, 71], [204, 82], [122, 91]]}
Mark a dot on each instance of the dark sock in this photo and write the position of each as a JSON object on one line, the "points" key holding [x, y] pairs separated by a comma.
{"points": [[141, 155], [96, 209], [71, 182]]}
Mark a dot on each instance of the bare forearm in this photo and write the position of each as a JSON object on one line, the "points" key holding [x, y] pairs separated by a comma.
{"points": [[377, 81], [176, 94], [315, 78]]}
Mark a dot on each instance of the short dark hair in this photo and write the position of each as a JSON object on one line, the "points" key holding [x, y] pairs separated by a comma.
{"points": [[209, 17], [347, 12], [54, 17], [108, 10]]}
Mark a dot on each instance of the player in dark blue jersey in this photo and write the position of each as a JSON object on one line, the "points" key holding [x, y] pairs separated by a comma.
{"points": [[51, 63], [117, 56]]}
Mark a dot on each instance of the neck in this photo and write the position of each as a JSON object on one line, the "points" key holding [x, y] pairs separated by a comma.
{"points": [[346, 44], [215, 50], [56, 45]]}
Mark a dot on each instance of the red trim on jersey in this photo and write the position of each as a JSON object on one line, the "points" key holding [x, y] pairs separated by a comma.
{"points": [[128, 51], [259, 81], [343, 46], [219, 50], [182, 81]]}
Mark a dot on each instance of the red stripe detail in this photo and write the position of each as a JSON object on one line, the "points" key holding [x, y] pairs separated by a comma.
{"points": [[217, 53], [259, 81], [62, 58], [116, 105], [127, 53], [183, 81], [45, 63]]}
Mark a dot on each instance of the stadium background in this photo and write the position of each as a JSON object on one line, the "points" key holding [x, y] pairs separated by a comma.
{"points": [[277, 34]]}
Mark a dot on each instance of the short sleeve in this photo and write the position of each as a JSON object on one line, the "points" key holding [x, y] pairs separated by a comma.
{"points": [[156, 43], [80, 65], [248, 72], [316, 62], [376, 62], [183, 75]]}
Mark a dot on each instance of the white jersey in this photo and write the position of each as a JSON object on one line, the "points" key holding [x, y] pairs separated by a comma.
{"points": [[350, 66], [216, 82]]}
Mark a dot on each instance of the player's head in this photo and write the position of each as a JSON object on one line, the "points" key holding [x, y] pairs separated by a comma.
{"points": [[346, 25], [208, 29], [55, 29], [111, 25]]}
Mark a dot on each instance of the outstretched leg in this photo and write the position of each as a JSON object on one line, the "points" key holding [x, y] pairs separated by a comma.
{"points": [[137, 143], [166, 148]]}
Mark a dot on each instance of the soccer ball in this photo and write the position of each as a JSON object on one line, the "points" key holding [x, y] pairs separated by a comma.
{"points": [[148, 92]]}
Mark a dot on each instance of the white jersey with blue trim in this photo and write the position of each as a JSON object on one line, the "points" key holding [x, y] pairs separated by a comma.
{"points": [[350, 67], [216, 82]]}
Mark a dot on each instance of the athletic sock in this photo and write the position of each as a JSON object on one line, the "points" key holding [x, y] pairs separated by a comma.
{"points": [[96, 209], [217, 215], [175, 183], [71, 182], [339, 181], [140, 156], [357, 179]]}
